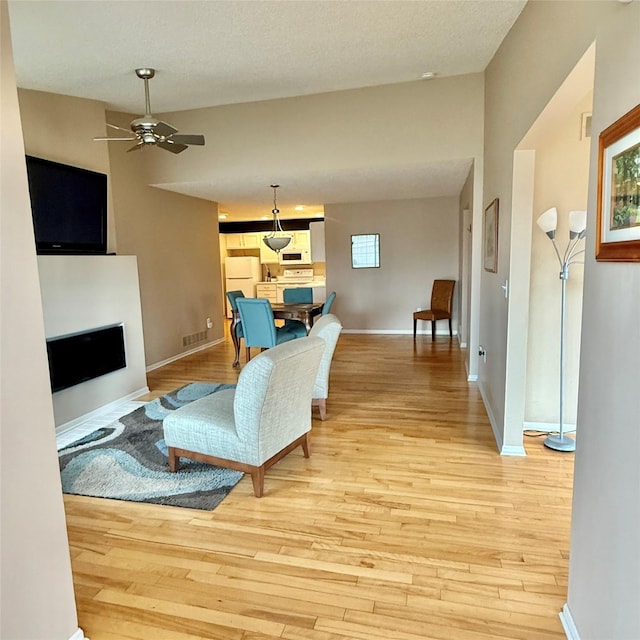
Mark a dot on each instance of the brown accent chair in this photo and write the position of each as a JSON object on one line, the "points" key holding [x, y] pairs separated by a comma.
{"points": [[441, 307]]}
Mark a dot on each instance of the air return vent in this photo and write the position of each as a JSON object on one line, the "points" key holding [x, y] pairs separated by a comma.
{"points": [[194, 338]]}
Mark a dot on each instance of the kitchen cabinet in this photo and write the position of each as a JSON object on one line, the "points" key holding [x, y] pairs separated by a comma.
{"points": [[243, 240], [316, 232], [267, 290], [301, 240]]}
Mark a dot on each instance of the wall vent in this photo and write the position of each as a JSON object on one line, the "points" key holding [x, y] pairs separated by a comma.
{"points": [[194, 338], [585, 127]]}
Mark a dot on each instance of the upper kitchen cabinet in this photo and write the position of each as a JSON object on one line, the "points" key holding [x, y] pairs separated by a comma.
{"points": [[244, 240], [316, 231]]}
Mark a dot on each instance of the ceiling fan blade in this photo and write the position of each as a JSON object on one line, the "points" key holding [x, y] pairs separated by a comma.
{"points": [[172, 146], [113, 126], [108, 139], [136, 147], [181, 138], [163, 129]]}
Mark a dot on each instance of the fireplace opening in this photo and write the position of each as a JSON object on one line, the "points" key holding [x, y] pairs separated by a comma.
{"points": [[82, 356]]}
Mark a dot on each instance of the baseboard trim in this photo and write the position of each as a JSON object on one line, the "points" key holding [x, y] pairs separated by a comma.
{"points": [[78, 635], [403, 332], [76, 422], [184, 354], [512, 450], [505, 450], [569, 626], [492, 420]]}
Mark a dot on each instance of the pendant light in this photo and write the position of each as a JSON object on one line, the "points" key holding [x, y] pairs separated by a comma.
{"points": [[274, 241]]}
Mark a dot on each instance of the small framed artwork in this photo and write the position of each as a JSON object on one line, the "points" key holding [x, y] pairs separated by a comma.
{"points": [[490, 237], [618, 204]]}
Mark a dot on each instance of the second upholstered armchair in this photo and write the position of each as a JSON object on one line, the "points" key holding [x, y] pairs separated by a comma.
{"points": [[328, 328]]}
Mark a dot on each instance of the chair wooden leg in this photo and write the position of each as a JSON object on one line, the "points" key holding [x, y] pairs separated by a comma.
{"points": [[173, 460], [248, 354], [305, 446], [450, 329], [415, 322], [321, 403], [257, 477], [433, 330]]}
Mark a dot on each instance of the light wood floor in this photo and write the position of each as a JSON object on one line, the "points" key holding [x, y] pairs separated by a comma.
{"points": [[404, 524]]}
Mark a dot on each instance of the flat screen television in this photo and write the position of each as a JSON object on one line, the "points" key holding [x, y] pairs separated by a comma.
{"points": [[69, 208]]}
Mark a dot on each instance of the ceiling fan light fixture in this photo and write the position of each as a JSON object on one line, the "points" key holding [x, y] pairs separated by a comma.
{"points": [[273, 240]]}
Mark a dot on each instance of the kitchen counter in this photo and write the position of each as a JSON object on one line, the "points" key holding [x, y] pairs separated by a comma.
{"points": [[274, 290]]}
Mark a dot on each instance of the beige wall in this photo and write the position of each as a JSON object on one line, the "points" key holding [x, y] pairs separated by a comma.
{"points": [[465, 225], [326, 134], [604, 570], [175, 239], [160, 228], [541, 49], [528, 69], [418, 243], [36, 594], [561, 180]]}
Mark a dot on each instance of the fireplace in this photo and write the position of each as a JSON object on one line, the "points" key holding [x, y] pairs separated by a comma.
{"points": [[82, 356]]}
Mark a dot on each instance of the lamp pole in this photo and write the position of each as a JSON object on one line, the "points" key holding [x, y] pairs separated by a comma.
{"points": [[577, 223]]}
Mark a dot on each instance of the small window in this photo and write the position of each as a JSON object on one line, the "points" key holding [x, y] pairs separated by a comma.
{"points": [[365, 251]]}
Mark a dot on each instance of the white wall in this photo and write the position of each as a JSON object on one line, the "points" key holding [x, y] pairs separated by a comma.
{"points": [[36, 589], [80, 293], [604, 568], [418, 243]]}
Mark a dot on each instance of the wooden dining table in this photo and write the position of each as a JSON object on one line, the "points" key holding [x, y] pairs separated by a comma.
{"points": [[305, 312]]}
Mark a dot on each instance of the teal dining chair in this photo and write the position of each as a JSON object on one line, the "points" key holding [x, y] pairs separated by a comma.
{"points": [[326, 307], [297, 294], [259, 325], [232, 296]]}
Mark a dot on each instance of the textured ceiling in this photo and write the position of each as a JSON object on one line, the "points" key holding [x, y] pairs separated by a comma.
{"points": [[216, 52]]}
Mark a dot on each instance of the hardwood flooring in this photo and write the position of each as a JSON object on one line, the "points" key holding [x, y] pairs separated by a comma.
{"points": [[404, 524]]}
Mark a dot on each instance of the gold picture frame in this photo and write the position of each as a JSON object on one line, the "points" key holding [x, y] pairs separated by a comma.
{"points": [[490, 237], [618, 203]]}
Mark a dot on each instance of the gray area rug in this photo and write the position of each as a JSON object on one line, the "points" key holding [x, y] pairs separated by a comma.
{"points": [[128, 459]]}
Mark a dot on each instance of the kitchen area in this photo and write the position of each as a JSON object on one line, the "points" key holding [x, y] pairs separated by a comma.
{"points": [[251, 266]]}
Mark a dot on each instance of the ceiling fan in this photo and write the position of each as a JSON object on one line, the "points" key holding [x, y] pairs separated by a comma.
{"points": [[148, 130]]}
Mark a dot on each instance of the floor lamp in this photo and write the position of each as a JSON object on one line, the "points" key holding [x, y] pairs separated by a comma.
{"points": [[548, 222]]}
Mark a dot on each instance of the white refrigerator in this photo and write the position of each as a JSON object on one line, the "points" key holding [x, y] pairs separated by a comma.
{"points": [[242, 273]]}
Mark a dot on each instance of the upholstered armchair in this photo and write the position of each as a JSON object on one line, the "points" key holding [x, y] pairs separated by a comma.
{"points": [[251, 427], [328, 328]]}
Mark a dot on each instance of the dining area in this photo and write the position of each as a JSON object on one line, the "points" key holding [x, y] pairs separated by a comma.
{"points": [[263, 324]]}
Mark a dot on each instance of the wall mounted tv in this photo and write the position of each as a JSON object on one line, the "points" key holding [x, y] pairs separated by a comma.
{"points": [[69, 208]]}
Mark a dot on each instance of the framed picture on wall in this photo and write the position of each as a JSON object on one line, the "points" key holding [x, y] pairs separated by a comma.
{"points": [[618, 205], [490, 237]]}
